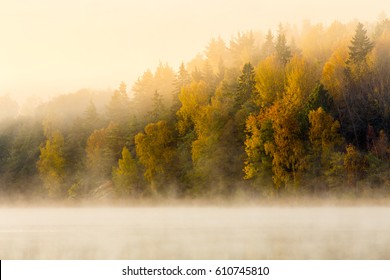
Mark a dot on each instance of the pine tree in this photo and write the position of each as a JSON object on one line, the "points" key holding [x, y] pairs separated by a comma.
{"points": [[246, 84], [118, 108], [283, 51], [269, 46], [361, 45], [158, 108]]}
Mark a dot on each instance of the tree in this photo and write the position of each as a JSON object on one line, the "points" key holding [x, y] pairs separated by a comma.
{"points": [[283, 51], [155, 151], [287, 149], [143, 90], [20, 142], [51, 163], [301, 79], [355, 164], [275, 136], [270, 77], [183, 78], [99, 159], [324, 138], [320, 97], [162, 81], [380, 82], [268, 46], [216, 53], [192, 97], [217, 147], [360, 103], [118, 108], [126, 176], [360, 45], [158, 108], [245, 97], [246, 84], [259, 134], [243, 49], [91, 117]]}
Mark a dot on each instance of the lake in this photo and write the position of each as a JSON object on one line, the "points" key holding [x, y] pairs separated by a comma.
{"points": [[195, 233]]}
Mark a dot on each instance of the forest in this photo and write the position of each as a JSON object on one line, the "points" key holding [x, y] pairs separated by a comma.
{"points": [[289, 111]]}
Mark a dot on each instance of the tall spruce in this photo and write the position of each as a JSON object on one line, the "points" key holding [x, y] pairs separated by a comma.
{"points": [[360, 45], [283, 51]]}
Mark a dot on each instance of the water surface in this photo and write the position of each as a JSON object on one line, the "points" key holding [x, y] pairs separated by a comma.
{"points": [[195, 233]]}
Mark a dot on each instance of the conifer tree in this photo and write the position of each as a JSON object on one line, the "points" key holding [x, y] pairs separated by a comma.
{"points": [[269, 46], [360, 45], [246, 84], [118, 108], [283, 51]]}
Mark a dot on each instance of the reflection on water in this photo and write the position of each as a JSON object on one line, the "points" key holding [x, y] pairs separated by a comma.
{"points": [[195, 233]]}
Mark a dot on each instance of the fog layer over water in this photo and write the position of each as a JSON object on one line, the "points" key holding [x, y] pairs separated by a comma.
{"points": [[195, 233]]}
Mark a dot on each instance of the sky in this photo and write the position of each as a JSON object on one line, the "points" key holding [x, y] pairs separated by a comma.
{"points": [[51, 47]]}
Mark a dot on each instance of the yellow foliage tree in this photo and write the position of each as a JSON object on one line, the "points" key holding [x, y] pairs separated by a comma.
{"points": [[259, 133], [270, 76], [51, 163], [155, 151], [192, 97], [99, 161], [324, 138], [333, 76], [287, 151], [301, 80], [125, 176]]}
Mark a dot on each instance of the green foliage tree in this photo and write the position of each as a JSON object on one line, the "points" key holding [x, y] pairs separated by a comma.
{"points": [[268, 47], [118, 108], [243, 49], [216, 53], [245, 97], [246, 89], [158, 108], [355, 164], [162, 81], [283, 51], [360, 45], [20, 141]]}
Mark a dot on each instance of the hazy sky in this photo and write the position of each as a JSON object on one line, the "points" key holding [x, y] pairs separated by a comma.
{"points": [[53, 46]]}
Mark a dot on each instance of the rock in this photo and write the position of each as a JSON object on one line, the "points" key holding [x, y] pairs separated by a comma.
{"points": [[104, 191]]}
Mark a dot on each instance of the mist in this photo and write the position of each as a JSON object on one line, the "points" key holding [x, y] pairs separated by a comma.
{"points": [[195, 233], [249, 130], [51, 48], [209, 129]]}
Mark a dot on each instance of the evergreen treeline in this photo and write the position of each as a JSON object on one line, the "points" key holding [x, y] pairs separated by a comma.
{"points": [[291, 111]]}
